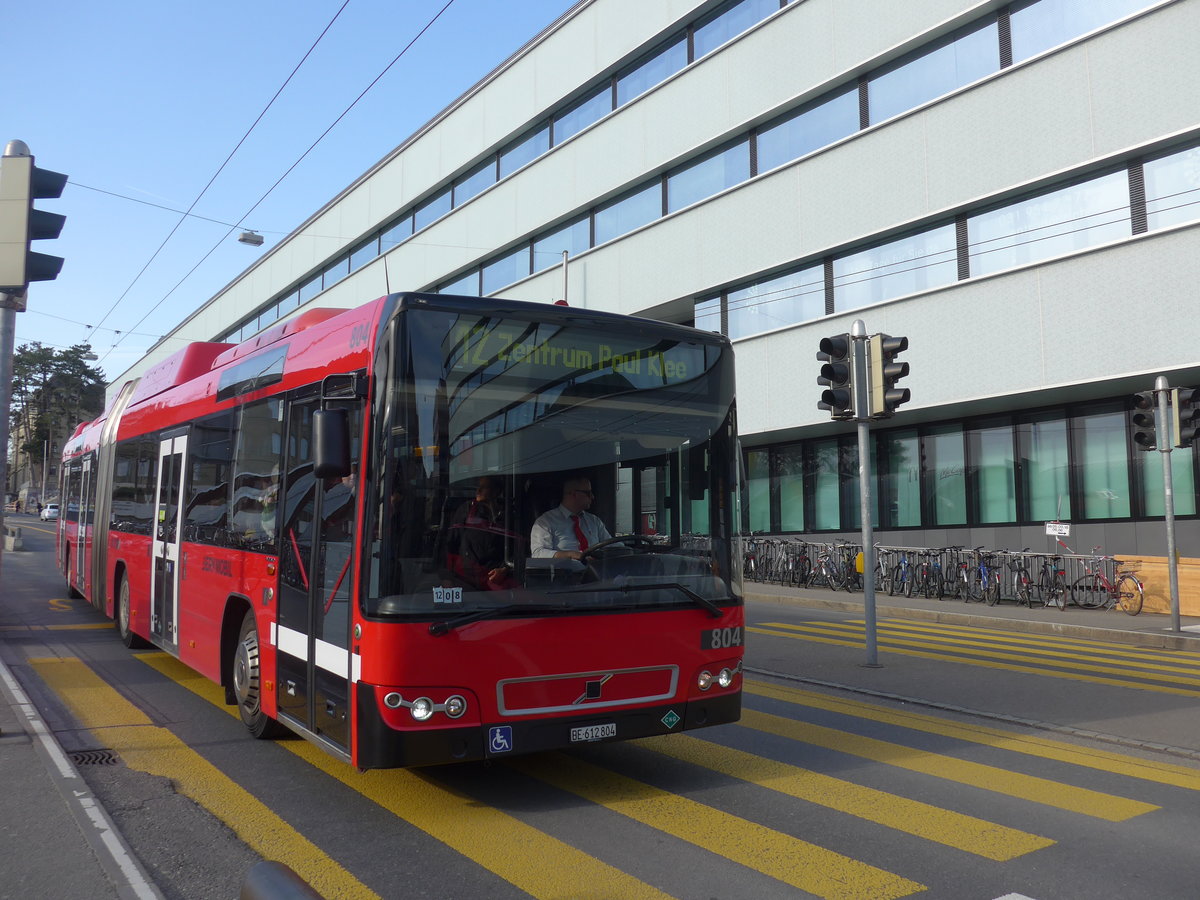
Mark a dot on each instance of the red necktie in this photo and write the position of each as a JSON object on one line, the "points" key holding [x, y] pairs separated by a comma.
{"points": [[583, 541]]}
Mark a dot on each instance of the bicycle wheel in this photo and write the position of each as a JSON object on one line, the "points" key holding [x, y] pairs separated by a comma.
{"points": [[1131, 595], [896, 581], [883, 580], [993, 587], [1088, 592], [976, 586], [837, 578], [1022, 589]]}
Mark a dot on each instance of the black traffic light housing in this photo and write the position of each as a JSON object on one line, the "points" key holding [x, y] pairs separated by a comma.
{"points": [[1185, 417], [837, 376], [21, 182], [884, 370], [1142, 418]]}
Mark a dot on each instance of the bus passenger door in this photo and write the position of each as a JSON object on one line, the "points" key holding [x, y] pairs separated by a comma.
{"points": [[317, 552], [164, 549], [83, 531]]}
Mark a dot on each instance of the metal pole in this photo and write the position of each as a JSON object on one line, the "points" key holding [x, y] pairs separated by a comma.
{"points": [[564, 273], [45, 463], [9, 304], [858, 333], [1165, 440]]}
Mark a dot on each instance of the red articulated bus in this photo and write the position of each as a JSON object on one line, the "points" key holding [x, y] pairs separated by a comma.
{"points": [[332, 520]]}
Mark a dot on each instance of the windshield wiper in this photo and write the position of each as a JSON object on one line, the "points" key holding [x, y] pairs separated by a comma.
{"points": [[703, 602], [448, 625]]}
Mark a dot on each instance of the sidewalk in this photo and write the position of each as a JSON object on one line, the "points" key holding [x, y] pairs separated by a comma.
{"points": [[56, 839], [1144, 630]]}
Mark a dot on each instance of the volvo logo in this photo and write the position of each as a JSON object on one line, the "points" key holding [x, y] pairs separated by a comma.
{"points": [[592, 690]]}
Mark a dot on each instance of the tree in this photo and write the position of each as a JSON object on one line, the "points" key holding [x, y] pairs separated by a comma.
{"points": [[53, 390]]}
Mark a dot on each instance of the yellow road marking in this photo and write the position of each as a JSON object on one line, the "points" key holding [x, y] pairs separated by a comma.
{"points": [[60, 605], [1103, 648], [120, 725], [989, 645], [988, 778], [798, 863], [984, 663], [533, 861], [1030, 745], [932, 823]]}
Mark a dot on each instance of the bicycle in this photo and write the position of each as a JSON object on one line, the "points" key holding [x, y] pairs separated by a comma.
{"points": [[1094, 590], [903, 577], [985, 579], [1021, 582], [826, 569], [1052, 583]]}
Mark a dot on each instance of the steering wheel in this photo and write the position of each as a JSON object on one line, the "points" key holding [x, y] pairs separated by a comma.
{"points": [[637, 540]]}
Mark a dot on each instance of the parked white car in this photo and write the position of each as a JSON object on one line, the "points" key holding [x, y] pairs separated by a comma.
{"points": [[49, 511]]}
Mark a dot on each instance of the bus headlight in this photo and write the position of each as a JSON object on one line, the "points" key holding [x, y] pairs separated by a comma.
{"points": [[421, 709], [704, 680], [455, 706], [725, 677]]}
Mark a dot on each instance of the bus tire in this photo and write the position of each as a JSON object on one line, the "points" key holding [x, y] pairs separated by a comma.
{"points": [[121, 619], [247, 682]]}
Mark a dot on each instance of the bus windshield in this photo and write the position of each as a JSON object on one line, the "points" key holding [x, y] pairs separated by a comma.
{"points": [[483, 416]]}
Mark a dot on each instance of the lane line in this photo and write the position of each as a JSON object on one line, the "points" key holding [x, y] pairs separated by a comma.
{"points": [[524, 856], [987, 664], [943, 826], [1031, 745], [794, 862], [120, 725]]}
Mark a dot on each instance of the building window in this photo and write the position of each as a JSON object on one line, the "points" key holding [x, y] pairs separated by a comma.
{"points": [[899, 479], [1071, 218], [431, 210], [758, 490], [944, 469], [708, 175], [993, 470], [1173, 189], [1183, 484], [468, 185], [826, 485], [935, 72], [1043, 24], [730, 21], [788, 465], [590, 109], [466, 284], [1045, 468], [511, 267], [915, 263], [525, 150], [573, 238], [310, 289], [364, 253], [776, 302], [664, 63], [398, 231], [808, 130], [631, 211], [1101, 450]]}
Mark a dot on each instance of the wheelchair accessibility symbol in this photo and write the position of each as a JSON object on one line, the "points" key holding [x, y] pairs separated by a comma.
{"points": [[500, 738]]}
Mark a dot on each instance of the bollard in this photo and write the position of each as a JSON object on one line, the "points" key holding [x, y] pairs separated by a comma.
{"points": [[270, 880], [12, 537]]}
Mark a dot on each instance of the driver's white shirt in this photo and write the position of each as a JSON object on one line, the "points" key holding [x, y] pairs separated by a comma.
{"points": [[554, 531]]}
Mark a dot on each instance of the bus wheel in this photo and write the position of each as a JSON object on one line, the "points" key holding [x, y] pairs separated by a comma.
{"points": [[247, 681], [121, 620]]}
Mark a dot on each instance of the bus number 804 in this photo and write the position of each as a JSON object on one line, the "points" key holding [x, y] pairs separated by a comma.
{"points": [[721, 638]]}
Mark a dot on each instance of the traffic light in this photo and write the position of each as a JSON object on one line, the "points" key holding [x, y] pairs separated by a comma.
{"points": [[21, 182], [884, 370], [1144, 437], [1185, 416], [837, 376]]}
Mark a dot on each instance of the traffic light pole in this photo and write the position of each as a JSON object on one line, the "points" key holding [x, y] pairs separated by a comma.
{"points": [[858, 334], [1162, 391], [9, 305]]}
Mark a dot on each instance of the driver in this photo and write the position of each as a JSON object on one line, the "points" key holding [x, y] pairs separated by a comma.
{"points": [[568, 530]]}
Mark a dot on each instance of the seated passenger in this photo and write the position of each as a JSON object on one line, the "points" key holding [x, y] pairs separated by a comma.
{"points": [[568, 530], [476, 549]]}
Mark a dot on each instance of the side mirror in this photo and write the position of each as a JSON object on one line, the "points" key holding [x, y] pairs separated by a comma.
{"points": [[331, 443]]}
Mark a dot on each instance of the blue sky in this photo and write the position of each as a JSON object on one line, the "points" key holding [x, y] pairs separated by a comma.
{"points": [[145, 99]]}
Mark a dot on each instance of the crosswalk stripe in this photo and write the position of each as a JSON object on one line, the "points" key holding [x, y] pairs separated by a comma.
{"points": [[1101, 648], [943, 826], [795, 862], [540, 865], [1028, 744], [798, 634], [989, 778], [990, 643], [149, 748]]}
